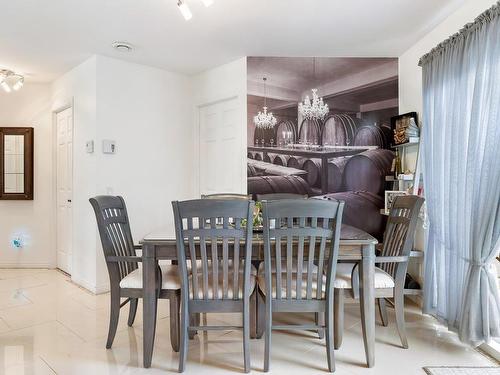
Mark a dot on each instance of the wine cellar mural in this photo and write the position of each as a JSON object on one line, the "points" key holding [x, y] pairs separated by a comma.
{"points": [[321, 127]]}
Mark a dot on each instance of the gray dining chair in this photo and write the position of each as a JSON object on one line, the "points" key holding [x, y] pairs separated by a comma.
{"points": [[214, 251], [125, 272], [301, 240], [390, 272], [279, 196]]}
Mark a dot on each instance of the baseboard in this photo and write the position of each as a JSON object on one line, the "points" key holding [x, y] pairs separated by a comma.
{"points": [[27, 265], [95, 289]]}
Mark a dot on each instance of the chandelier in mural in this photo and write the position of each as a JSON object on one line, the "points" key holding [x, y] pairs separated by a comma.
{"points": [[264, 120], [314, 109]]}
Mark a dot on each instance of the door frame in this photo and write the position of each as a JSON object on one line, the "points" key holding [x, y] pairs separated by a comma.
{"points": [[67, 104]]}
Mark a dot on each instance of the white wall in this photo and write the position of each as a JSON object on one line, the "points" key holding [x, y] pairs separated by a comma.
{"points": [[148, 113], [30, 219], [224, 82], [78, 88], [410, 74]]}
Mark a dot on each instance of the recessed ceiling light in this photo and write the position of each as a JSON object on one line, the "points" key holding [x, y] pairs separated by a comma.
{"points": [[122, 46]]}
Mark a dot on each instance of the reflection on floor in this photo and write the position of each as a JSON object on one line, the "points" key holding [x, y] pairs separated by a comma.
{"points": [[48, 325]]}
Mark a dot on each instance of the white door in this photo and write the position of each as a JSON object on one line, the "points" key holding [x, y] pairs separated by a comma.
{"points": [[220, 148], [64, 125]]}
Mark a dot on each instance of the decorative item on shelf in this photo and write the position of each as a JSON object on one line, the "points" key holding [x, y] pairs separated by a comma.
{"points": [[390, 195], [315, 109], [397, 165], [264, 120], [10, 80], [405, 128]]}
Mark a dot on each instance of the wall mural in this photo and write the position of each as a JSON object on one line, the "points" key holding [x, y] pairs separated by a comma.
{"points": [[321, 127]]}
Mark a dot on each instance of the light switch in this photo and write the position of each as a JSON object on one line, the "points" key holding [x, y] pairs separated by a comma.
{"points": [[108, 146], [89, 146]]}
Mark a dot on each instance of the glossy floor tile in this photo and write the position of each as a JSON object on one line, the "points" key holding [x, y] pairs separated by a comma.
{"points": [[50, 326]]}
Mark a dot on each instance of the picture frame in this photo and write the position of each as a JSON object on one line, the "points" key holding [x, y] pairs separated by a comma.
{"points": [[390, 195], [398, 126]]}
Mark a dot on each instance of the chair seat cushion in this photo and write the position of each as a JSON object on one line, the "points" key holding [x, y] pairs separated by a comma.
{"points": [[344, 272], [261, 279], [231, 292], [169, 280]]}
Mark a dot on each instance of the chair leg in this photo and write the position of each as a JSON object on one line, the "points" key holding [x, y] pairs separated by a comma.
{"points": [[382, 307], [194, 320], [246, 334], [338, 299], [132, 311], [399, 306], [184, 338], [175, 303], [114, 315], [320, 321], [261, 315], [267, 334], [330, 356]]}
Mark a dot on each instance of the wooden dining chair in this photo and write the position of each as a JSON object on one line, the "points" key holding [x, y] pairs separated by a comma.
{"points": [[214, 251], [279, 196], [301, 240], [125, 272], [390, 272]]}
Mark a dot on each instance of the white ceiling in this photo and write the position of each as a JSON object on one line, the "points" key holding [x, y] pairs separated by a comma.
{"points": [[44, 39]]}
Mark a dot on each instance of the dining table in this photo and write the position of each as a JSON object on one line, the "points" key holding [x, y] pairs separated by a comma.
{"points": [[356, 246]]}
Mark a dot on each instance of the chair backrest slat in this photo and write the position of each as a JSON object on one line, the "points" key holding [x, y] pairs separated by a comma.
{"points": [[400, 230], [212, 245], [114, 231], [296, 227]]}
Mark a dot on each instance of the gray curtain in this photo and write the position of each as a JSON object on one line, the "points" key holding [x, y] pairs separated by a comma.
{"points": [[461, 168]]}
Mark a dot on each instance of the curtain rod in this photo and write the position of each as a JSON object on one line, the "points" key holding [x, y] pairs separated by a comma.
{"points": [[481, 20]]}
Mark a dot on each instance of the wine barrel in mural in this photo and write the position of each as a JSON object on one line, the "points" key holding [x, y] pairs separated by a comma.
{"points": [[251, 171], [310, 131], [265, 135], [373, 135], [362, 210], [295, 162], [340, 129], [366, 171], [280, 160], [286, 132], [258, 156], [335, 172], [277, 184]]}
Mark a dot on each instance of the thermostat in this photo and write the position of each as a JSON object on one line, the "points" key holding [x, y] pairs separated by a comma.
{"points": [[108, 146]]}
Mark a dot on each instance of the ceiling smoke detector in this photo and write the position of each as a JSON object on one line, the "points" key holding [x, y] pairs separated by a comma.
{"points": [[122, 46]]}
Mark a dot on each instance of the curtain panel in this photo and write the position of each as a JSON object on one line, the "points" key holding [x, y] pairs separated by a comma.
{"points": [[461, 169]]}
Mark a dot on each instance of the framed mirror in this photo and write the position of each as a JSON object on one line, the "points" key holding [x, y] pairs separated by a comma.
{"points": [[16, 163]]}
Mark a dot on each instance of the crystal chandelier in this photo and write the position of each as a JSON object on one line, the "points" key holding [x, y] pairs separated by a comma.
{"points": [[264, 120], [315, 109], [10, 81]]}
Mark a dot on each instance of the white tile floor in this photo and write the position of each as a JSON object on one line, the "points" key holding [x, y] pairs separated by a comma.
{"points": [[50, 326]]}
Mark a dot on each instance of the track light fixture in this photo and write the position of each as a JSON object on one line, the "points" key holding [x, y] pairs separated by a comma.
{"points": [[186, 12], [10, 80]]}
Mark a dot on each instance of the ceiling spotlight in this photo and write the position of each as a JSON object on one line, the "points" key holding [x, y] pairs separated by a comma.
{"points": [[207, 3], [186, 12], [10, 81]]}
